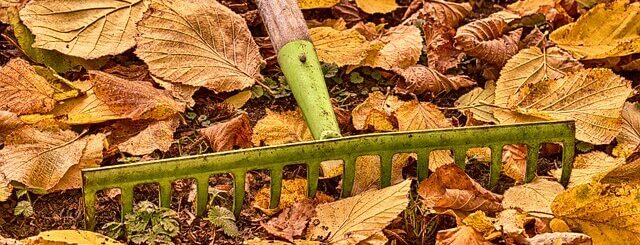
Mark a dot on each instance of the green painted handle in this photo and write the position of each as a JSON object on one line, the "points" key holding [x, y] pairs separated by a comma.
{"points": [[299, 63]]}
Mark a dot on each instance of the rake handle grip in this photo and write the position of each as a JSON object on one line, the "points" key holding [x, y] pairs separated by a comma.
{"points": [[299, 63]]}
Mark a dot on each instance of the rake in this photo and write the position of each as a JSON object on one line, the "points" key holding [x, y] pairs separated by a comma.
{"points": [[300, 65]]}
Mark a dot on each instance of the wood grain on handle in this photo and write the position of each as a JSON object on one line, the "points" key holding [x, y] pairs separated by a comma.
{"points": [[284, 21]]}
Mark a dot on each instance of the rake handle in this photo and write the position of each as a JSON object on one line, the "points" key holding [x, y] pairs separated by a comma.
{"points": [[299, 63]]}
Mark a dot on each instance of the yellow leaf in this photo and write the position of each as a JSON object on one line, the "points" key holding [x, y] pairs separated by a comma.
{"points": [[315, 4], [374, 112], [419, 79], [607, 213], [398, 48], [461, 235], [353, 219], [368, 169], [23, 91], [535, 197], [293, 190], [227, 135], [558, 225], [86, 109], [630, 133], [8, 123], [238, 100], [471, 102], [592, 97], [278, 128], [72, 237], [46, 158], [199, 43], [377, 6], [479, 221], [605, 31], [486, 39], [346, 47], [590, 167], [88, 29], [155, 135], [625, 173]]}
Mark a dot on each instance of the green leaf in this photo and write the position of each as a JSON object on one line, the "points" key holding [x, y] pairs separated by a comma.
{"points": [[23, 208], [356, 78], [223, 218], [329, 70], [584, 147]]}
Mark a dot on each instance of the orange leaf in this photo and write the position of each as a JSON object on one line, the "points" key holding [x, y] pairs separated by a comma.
{"points": [[224, 136]]}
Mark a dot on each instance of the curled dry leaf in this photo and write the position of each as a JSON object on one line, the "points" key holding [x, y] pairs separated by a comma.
{"points": [[377, 6], [445, 12], [534, 197], [593, 98], [419, 79], [630, 134], [461, 235], [258, 241], [512, 225], [354, 219], [88, 29], [607, 213], [133, 99], [374, 112], [441, 53], [590, 167], [346, 47], [552, 10], [292, 221], [315, 4], [50, 158], [278, 128], [472, 103], [199, 43], [450, 187], [5, 190], [565, 238], [141, 138], [23, 91], [227, 135], [485, 39], [605, 31], [398, 48], [514, 159], [8, 123]]}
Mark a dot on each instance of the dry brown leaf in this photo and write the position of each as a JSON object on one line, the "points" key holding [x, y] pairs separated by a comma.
{"points": [[199, 43], [154, 135], [445, 12], [258, 241], [441, 53], [23, 91], [133, 99], [398, 48], [315, 4], [86, 109], [605, 31], [227, 135], [631, 66], [486, 39], [292, 221], [472, 103], [5, 5], [627, 173], [534, 197], [461, 235], [630, 134], [8, 123], [5, 190], [593, 98], [377, 6], [49, 158], [590, 167], [607, 213], [368, 169], [564, 238], [374, 112], [346, 47], [419, 79], [553, 11], [89, 29], [278, 128], [353, 219], [347, 11], [514, 159], [181, 92], [450, 187], [512, 225]]}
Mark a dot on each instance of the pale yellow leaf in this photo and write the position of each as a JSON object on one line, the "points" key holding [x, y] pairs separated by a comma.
{"points": [[604, 31], [488, 40], [238, 100], [563, 238], [199, 43], [315, 4], [346, 47], [607, 213], [158, 135], [512, 225], [461, 235], [419, 79], [590, 167], [535, 197], [630, 133], [398, 48], [74, 237], [5, 6], [23, 91], [377, 6], [353, 219], [225, 136], [278, 128], [472, 103], [88, 29], [86, 109]]}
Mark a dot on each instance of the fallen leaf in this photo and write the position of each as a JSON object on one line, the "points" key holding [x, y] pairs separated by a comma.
{"points": [[226, 135], [514, 160], [419, 79], [278, 128], [373, 112], [347, 11], [625, 173], [461, 235], [535, 38], [70, 237], [451, 188], [534, 197], [340, 47], [210, 45], [511, 223], [592, 97], [486, 39], [479, 221], [377, 6], [604, 31], [607, 213], [564, 238], [353, 219], [90, 29], [6, 6], [552, 10], [86, 109], [44, 158], [155, 135], [630, 133], [558, 225], [632, 66], [399, 47], [181, 92], [368, 169], [445, 12], [5, 190], [316, 4], [376, 239], [590, 167], [23, 90], [441, 53], [8, 123], [258, 241], [293, 191], [472, 103], [133, 99], [238, 100], [291, 222], [131, 72]]}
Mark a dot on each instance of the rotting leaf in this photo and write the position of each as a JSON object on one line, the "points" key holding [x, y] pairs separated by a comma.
{"points": [[486, 39], [472, 103], [210, 45], [419, 79], [23, 90], [535, 197], [227, 135], [377, 6], [590, 167], [89, 29], [346, 47], [461, 235], [155, 135], [292, 221], [353, 219], [278, 128]]}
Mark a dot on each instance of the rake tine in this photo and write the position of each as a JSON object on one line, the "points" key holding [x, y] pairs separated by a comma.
{"points": [[90, 208], [568, 148], [202, 189], [276, 186], [386, 162], [126, 197], [313, 173], [348, 176], [423, 164], [165, 194], [238, 189], [496, 165], [532, 161], [460, 155]]}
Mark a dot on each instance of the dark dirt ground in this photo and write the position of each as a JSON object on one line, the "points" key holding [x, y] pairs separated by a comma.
{"points": [[64, 210]]}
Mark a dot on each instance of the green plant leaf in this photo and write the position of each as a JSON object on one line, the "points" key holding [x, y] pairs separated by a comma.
{"points": [[23, 208], [223, 218]]}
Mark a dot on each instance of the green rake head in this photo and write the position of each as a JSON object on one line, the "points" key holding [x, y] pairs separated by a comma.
{"points": [[275, 158]]}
